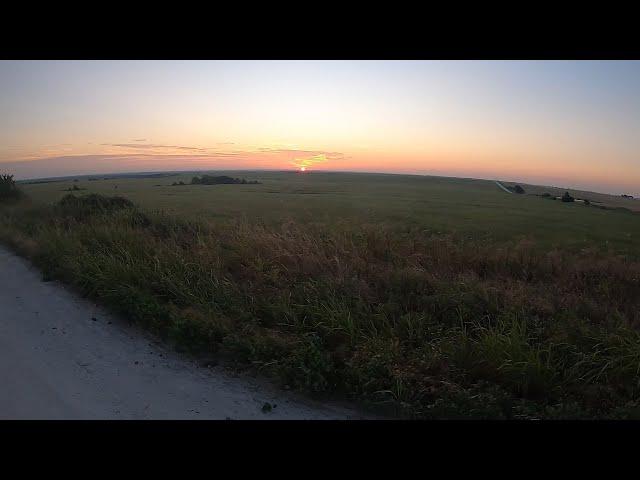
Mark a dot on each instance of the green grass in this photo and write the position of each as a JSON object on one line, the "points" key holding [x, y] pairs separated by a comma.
{"points": [[474, 207], [420, 297]]}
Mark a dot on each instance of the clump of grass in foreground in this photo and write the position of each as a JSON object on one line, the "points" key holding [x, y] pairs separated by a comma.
{"points": [[89, 205], [423, 325], [9, 191]]}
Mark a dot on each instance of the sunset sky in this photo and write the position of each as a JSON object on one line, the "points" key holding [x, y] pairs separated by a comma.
{"points": [[571, 124]]}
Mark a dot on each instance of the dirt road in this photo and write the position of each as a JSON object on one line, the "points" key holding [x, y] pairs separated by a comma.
{"points": [[62, 357], [503, 187]]}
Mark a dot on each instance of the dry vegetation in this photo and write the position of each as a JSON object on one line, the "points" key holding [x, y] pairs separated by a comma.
{"points": [[8, 189], [414, 323]]}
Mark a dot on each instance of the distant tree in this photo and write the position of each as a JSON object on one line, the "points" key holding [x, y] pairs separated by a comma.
{"points": [[587, 202], [195, 181], [567, 198], [518, 189]]}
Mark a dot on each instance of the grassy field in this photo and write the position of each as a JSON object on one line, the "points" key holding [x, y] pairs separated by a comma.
{"points": [[611, 201], [421, 296], [437, 204]]}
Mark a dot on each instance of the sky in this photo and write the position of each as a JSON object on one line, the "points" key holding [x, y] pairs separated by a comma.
{"points": [[564, 123]]}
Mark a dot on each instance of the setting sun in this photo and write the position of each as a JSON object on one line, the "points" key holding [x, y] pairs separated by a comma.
{"points": [[303, 169]]}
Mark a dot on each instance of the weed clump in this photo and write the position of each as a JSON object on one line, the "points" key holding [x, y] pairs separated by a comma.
{"points": [[86, 206], [9, 191]]}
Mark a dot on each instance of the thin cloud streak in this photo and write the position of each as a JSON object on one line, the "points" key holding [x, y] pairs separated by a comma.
{"points": [[315, 156], [152, 146]]}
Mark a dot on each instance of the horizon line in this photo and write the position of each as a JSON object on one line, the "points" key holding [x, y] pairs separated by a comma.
{"points": [[308, 172]]}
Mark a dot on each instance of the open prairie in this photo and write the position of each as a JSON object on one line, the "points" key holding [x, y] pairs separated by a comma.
{"points": [[414, 296], [437, 204], [222, 207]]}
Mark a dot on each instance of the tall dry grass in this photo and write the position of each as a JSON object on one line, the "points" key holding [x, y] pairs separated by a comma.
{"points": [[421, 324]]}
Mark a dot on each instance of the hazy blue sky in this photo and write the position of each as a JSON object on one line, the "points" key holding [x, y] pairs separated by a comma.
{"points": [[564, 123]]}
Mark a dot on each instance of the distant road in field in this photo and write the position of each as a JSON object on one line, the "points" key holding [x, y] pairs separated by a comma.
{"points": [[62, 357], [503, 187]]}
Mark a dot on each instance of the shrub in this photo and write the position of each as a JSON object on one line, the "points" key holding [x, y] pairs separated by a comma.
{"points": [[88, 205], [567, 198], [8, 188], [518, 189]]}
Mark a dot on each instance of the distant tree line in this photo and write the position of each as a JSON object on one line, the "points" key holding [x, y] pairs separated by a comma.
{"points": [[223, 179]]}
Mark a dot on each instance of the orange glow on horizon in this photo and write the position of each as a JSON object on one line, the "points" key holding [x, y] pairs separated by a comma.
{"points": [[562, 122], [541, 166]]}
